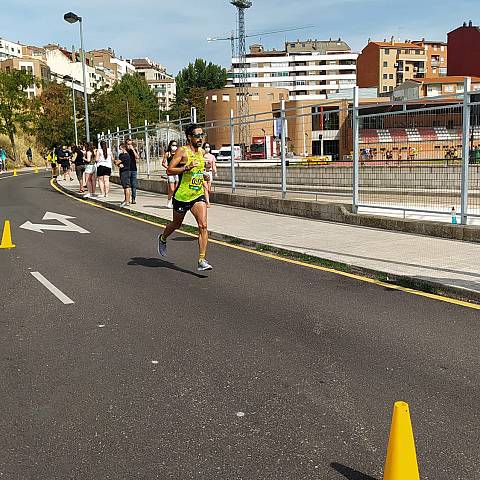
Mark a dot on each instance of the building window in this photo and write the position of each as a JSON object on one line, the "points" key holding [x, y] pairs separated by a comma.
{"points": [[391, 76], [385, 64], [255, 97], [387, 51], [385, 76], [442, 48], [214, 98], [385, 89], [225, 98]]}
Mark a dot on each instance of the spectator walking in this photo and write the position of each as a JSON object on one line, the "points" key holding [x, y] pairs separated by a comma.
{"points": [[134, 156], [104, 167], [90, 170], [210, 171], [172, 180], [79, 162], [123, 163], [29, 155]]}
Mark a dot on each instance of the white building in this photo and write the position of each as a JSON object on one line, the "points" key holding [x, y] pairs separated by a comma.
{"points": [[64, 64], [163, 84], [310, 70], [9, 49]]}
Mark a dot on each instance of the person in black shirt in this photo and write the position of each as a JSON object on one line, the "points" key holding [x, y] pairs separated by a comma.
{"points": [[64, 157], [79, 166], [124, 162], [134, 156]]}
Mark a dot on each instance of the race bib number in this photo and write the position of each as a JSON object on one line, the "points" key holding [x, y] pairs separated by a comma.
{"points": [[196, 182]]}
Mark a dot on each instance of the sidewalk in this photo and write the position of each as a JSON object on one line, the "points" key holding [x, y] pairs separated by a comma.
{"points": [[447, 262]]}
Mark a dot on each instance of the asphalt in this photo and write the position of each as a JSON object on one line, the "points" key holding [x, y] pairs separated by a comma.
{"points": [[259, 369]]}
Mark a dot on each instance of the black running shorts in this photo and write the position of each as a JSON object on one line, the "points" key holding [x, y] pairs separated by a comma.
{"points": [[184, 207]]}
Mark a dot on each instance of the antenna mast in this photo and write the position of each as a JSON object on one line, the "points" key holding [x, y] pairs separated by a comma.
{"points": [[242, 98]]}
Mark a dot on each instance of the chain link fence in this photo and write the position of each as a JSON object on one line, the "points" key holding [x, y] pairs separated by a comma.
{"points": [[420, 156]]}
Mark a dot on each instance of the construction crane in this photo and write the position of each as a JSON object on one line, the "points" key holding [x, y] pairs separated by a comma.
{"points": [[242, 97]]}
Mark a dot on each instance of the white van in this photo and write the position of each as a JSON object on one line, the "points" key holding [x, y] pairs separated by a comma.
{"points": [[225, 153]]}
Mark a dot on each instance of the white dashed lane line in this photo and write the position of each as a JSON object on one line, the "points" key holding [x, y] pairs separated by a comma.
{"points": [[49, 286]]}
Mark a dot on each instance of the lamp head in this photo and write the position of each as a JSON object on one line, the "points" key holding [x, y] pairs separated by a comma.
{"points": [[71, 17]]}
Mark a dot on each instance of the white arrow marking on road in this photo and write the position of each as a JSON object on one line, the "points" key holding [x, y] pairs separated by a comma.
{"points": [[67, 225]]}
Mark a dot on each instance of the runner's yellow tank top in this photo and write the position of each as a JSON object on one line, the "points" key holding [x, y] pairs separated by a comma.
{"points": [[190, 186]]}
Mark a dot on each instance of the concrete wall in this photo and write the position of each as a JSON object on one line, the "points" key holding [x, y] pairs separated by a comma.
{"points": [[427, 177], [330, 212]]}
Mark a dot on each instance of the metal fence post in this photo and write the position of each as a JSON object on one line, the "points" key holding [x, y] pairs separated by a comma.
{"points": [[147, 149], [193, 115], [118, 140], [232, 152], [465, 149], [168, 129], [283, 149], [355, 156], [98, 140], [109, 139]]}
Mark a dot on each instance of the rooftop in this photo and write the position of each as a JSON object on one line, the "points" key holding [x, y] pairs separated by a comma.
{"points": [[443, 80]]}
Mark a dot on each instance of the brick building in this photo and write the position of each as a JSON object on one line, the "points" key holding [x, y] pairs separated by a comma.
{"points": [[464, 51], [437, 57], [384, 65]]}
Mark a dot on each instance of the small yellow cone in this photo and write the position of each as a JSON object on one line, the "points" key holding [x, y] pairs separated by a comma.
{"points": [[7, 237], [14, 172], [401, 462], [36, 170]]}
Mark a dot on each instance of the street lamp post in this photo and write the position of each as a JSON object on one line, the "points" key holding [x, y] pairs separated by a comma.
{"points": [[67, 78], [71, 17]]}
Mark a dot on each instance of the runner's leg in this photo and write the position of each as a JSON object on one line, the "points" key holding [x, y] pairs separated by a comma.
{"points": [[199, 211], [174, 225]]}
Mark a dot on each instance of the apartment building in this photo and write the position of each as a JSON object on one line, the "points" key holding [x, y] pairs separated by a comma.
{"points": [[9, 49], [437, 57], [309, 70], [35, 66], [105, 58], [162, 84], [385, 65], [65, 64], [464, 51], [432, 87]]}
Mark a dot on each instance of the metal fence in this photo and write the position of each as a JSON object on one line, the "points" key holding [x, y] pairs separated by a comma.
{"points": [[417, 156]]}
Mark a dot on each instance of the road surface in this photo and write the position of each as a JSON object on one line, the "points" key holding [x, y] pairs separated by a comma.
{"points": [[260, 369]]}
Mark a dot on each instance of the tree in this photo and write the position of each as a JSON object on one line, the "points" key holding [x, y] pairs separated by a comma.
{"points": [[108, 108], [192, 83], [16, 109], [56, 124]]}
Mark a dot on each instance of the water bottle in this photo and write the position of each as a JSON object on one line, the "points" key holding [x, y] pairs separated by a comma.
{"points": [[454, 216]]}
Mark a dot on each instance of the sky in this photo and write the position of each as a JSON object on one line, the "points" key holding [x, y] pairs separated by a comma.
{"points": [[175, 32]]}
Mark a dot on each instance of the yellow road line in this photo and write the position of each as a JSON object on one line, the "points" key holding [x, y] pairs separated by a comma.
{"points": [[354, 276]]}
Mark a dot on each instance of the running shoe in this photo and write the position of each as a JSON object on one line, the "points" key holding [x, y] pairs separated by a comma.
{"points": [[204, 265], [123, 204], [87, 195], [170, 204], [162, 247]]}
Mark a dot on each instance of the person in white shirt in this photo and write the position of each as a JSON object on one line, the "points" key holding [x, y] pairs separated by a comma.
{"points": [[104, 167]]}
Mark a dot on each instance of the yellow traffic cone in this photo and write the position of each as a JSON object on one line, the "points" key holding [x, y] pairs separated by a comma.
{"points": [[7, 237], [36, 170], [401, 462], [14, 172]]}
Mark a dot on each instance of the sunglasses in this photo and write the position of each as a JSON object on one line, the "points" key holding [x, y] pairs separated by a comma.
{"points": [[198, 135]]}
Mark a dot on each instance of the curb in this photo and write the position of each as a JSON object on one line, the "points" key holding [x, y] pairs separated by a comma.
{"points": [[406, 281]]}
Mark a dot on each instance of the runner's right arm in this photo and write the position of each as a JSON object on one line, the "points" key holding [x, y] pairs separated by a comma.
{"points": [[178, 165]]}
